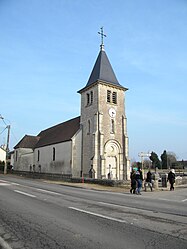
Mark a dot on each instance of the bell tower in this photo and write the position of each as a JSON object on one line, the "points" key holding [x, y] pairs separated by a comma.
{"points": [[103, 122]]}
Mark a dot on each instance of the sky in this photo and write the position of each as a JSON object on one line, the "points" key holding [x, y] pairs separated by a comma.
{"points": [[48, 49]]}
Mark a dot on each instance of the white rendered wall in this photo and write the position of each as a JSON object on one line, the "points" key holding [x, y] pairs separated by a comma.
{"points": [[23, 158], [2, 155], [62, 162]]}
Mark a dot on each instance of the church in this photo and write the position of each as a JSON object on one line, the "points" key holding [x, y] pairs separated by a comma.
{"points": [[95, 142]]}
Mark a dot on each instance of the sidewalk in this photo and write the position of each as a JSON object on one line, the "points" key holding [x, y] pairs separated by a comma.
{"points": [[91, 186], [122, 189]]}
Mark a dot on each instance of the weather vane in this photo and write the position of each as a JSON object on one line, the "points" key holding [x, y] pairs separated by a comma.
{"points": [[102, 35]]}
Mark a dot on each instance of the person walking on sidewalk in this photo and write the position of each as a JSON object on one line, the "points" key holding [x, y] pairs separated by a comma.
{"points": [[148, 181], [133, 182], [171, 179], [139, 179]]}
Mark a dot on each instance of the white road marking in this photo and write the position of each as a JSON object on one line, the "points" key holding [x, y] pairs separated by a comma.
{"points": [[98, 215], [47, 191], [24, 193], [123, 207], [4, 184], [4, 244], [184, 200], [16, 184], [164, 199], [171, 200], [115, 205]]}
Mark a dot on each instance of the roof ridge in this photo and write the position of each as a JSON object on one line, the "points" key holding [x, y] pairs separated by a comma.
{"points": [[55, 126]]}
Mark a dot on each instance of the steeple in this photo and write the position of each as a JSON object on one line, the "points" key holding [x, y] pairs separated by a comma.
{"points": [[104, 143], [102, 70]]}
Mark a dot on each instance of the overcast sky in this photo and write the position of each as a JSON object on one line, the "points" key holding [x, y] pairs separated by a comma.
{"points": [[48, 49]]}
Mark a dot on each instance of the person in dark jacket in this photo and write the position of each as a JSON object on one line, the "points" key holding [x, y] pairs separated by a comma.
{"points": [[139, 179], [171, 179], [133, 182], [148, 181]]}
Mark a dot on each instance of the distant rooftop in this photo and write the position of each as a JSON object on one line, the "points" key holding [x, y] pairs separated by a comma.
{"points": [[27, 142]]}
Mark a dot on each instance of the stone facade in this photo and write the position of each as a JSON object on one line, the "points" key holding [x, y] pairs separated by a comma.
{"points": [[105, 141]]}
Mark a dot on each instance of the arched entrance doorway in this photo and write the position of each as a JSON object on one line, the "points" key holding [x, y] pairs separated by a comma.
{"points": [[112, 162]]}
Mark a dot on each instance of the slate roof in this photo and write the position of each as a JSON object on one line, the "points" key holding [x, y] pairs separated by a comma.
{"points": [[59, 133], [102, 71], [53, 135], [27, 142]]}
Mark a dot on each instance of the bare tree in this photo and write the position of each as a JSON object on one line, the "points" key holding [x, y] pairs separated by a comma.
{"points": [[147, 164], [171, 159]]}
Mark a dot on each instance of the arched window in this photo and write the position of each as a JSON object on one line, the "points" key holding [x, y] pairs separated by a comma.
{"points": [[88, 98], [38, 155], [16, 155], [89, 127], [114, 97], [91, 96], [112, 126], [108, 96], [111, 97], [54, 154]]}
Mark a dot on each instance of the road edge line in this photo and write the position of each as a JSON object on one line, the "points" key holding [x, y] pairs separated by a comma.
{"points": [[4, 244]]}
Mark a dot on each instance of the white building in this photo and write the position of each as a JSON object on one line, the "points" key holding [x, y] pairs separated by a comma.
{"points": [[2, 154], [97, 139]]}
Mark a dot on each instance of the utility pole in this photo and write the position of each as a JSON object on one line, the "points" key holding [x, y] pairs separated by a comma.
{"points": [[7, 148], [7, 144]]}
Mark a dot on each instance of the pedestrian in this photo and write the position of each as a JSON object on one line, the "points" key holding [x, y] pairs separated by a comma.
{"points": [[109, 176], [139, 179], [171, 179], [92, 172], [149, 181], [133, 182]]}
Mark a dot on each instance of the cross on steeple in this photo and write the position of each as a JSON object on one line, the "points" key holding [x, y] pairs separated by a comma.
{"points": [[102, 35]]}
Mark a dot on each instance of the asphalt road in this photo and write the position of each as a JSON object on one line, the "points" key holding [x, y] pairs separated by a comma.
{"points": [[35, 214]]}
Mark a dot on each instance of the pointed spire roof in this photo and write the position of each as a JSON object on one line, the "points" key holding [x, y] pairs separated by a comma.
{"points": [[102, 70]]}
